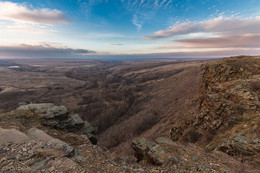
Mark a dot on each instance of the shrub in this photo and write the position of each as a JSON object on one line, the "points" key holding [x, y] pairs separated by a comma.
{"points": [[192, 136]]}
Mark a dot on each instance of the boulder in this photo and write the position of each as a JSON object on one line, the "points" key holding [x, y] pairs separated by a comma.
{"points": [[76, 120], [182, 157], [72, 124], [22, 103], [57, 117], [36, 134], [64, 148], [12, 136], [240, 145], [41, 153], [149, 151], [89, 131], [48, 110], [41, 107]]}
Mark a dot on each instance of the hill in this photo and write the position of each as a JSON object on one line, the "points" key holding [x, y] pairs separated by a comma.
{"points": [[198, 116]]}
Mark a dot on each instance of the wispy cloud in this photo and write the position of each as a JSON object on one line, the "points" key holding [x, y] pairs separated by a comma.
{"points": [[14, 28], [137, 24], [168, 3], [86, 6], [22, 13], [163, 2], [41, 51], [150, 3], [225, 41], [222, 25], [210, 53], [145, 10]]}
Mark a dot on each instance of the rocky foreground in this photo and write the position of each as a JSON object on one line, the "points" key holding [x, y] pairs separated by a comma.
{"points": [[33, 140], [223, 136]]}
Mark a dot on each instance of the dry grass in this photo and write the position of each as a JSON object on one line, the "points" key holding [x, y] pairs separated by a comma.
{"points": [[122, 100]]}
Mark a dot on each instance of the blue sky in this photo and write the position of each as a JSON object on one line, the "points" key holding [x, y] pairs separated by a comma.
{"points": [[129, 28]]}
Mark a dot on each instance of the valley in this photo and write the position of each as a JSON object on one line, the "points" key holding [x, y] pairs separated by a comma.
{"points": [[172, 115], [121, 99]]}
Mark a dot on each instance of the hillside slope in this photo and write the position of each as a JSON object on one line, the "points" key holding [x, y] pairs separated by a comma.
{"points": [[228, 118], [121, 99]]}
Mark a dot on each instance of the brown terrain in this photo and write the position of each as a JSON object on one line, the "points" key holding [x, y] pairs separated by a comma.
{"points": [[122, 100], [209, 110]]}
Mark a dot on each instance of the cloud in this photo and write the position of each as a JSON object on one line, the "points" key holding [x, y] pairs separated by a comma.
{"points": [[41, 51], [115, 44], [14, 28], [221, 25], [22, 13], [162, 3], [168, 3], [136, 23], [154, 4], [242, 41]]}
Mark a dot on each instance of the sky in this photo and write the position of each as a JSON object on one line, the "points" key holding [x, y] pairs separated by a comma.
{"points": [[129, 28]]}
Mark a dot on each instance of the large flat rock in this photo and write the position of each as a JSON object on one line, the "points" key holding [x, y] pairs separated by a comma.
{"points": [[12, 136]]}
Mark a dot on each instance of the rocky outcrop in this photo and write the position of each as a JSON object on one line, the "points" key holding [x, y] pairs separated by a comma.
{"points": [[149, 151], [242, 148], [183, 158], [58, 117], [44, 153], [226, 99], [227, 118], [48, 110], [89, 131], [37, 153]]}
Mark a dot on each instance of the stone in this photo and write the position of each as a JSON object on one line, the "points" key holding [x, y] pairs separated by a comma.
{"points": [[89, 131], [240, 145], [150, 151], [13, 136], [64, 165], [38, 165], [36, 134], [58, 112], [41, 107], [163, 140], [48, 110], [57, 117], [65, 148], [22, 103], [76, 120], [72, 124]]}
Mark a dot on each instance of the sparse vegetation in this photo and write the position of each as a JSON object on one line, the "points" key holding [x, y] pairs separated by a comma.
{"points": [[216, 110], [121, 100]]}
